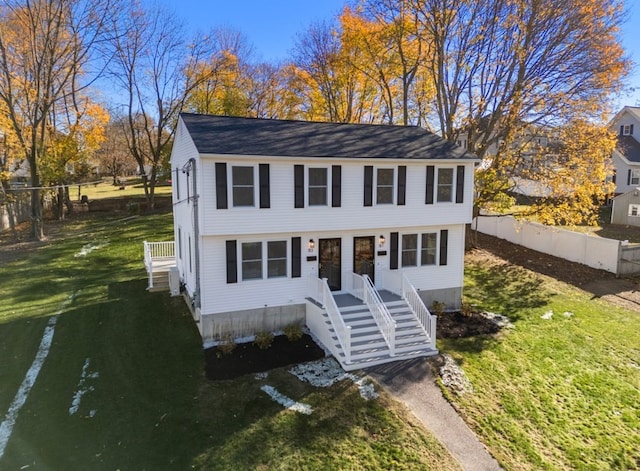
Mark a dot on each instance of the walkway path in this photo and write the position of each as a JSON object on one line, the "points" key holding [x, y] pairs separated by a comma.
{"points": [[413, 383]]}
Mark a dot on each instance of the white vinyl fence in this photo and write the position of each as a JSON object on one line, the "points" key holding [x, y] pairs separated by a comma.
{"points": [[589, 250]]}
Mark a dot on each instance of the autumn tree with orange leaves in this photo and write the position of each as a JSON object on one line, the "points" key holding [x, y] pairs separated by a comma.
{"points": [[503, 67], [46, 47]]}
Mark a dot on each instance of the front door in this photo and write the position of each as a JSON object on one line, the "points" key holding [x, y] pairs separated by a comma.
{"points": [[364, 256], [330, 263]]}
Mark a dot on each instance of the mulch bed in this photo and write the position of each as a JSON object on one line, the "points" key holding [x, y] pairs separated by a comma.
{"points": [[455, 325], [248, 358]]}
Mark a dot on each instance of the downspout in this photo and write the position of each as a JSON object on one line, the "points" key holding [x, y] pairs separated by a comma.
{"points": [[191, 164]]}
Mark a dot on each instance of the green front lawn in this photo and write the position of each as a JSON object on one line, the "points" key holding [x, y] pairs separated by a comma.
{"points": [[135, 362], [556, 393]]}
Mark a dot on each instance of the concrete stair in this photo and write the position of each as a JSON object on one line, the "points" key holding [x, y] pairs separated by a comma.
{"points": [[368, 347]]}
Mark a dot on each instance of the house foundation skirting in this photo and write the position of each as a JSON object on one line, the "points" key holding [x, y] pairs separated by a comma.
{"points": [[451, 297], [236, 324]]}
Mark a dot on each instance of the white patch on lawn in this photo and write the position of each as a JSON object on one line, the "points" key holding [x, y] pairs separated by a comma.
{"points": [[327, 371], [547, 315], [287, 401], [568, 314], [6, 427], [88, 248], [82, 389]]}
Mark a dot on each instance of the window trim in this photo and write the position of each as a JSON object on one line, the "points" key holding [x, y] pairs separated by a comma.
{"points": [[451, 185], [419, 258], [393, 186], [264, 259], [252, 260], [327, 186], [285, 258], [255, 186]]}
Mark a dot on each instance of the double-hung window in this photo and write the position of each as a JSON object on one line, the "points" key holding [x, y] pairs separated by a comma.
{"points": [[635, 177], [384, 186], [634, 210], [318, 186], [444, 191], [243, 182], [251, 261], [409, 250], [276, 259], [428, 248]]}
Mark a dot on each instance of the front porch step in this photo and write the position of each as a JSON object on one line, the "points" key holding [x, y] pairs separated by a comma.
{"points": [[368, 347]]}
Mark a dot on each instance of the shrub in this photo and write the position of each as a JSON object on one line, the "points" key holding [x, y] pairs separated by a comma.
{"points": [[437, 308], [467, 309], [263, 340], [293, 332], [226, 345]]}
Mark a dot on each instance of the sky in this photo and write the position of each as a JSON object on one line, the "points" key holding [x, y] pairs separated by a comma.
{"points": [[271, 26]]}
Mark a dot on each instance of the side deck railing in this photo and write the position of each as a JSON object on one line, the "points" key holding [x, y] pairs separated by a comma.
{"points": [[364, 289], [157, 254], [322, 293]]}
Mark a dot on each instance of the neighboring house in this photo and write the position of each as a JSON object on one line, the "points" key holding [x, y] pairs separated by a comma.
{"points": [[626, 208], [626, 156], [350, 229]]}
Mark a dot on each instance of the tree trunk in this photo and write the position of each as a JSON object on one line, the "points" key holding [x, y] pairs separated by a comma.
{"points": [[37, 228]]}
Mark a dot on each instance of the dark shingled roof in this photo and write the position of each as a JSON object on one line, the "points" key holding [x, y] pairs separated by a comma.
{"points": [[271, 137], [629, 147]]}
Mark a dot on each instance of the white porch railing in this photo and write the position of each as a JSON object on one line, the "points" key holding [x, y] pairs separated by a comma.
{"points": [[364, 289], [426, 319], [322, 293], [158, 254], [399, 283]]}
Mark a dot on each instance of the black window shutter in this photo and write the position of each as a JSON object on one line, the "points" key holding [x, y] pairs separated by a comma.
{"points": [[613, 177], [444, 242], [460, 184], [368, 185], [296, 257], [431, 170], [629, 177], [393, 261], [298, 184], [621, 129], [221, 185], [265, 189], [631, 129], [336, 186], [402, 185], [232, 262]]}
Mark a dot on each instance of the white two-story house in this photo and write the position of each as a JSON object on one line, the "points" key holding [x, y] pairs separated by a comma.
{"points": [[352, 230], [626, 156]]}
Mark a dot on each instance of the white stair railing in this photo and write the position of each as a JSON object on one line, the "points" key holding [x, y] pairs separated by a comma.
{"points": [[420, 311], [342, 331], [398, 283], [380, 313]]}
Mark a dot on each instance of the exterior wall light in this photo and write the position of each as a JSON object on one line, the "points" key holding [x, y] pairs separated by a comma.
{"points": [[312, 245], [382, 240]]}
